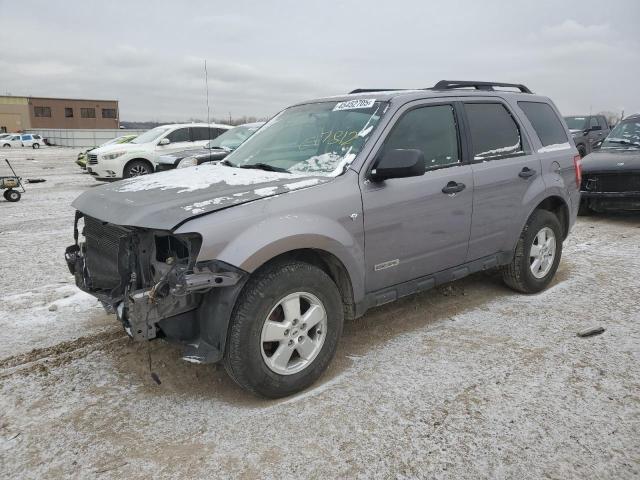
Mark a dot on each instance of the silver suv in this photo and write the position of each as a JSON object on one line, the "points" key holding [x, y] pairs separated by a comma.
{"points": [[333, 207]]}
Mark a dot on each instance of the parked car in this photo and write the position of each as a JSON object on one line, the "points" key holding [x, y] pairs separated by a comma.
{"points": [[83, 157], [214, 151], [139, 156], [587, 131], [32, 140], [335, 206], [14, 140], [611, 175]]}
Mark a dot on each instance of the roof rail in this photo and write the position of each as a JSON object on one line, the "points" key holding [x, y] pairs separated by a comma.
{"points": [[366, 90], [451, 84]]}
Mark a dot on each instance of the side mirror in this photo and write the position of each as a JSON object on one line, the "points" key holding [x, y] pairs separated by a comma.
{"points": [[399, 163], [164, 141]]}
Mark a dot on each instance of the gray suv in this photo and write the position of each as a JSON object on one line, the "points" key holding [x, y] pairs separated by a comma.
{"points": [[588, 131], [335, 206]]}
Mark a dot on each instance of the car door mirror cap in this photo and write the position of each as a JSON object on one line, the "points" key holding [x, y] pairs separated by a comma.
{"points": [[164, 141], [399, 163]]}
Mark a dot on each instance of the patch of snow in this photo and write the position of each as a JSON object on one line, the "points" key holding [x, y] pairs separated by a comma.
{"points": [[498, 151], [200, 177], [555, 147], [302, 184], [264, 192]]}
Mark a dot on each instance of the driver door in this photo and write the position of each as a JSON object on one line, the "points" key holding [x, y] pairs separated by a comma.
{"points": [[413, 228]]}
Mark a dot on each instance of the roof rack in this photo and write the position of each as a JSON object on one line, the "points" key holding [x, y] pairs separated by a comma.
{"points": [[366, 90], [451, 84]]}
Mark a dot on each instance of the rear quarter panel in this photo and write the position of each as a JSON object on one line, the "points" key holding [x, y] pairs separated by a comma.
{"points": [[558, 170]]}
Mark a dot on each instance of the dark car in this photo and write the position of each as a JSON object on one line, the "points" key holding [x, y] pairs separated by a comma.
{"points": [[587, 131], [611, 175], [214, 151]]}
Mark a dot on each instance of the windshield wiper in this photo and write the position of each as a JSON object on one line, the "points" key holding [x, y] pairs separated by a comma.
{"points": [[265, 166], [623, 142], [227, 163]]}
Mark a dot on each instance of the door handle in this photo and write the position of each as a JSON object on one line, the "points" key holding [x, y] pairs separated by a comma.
{"points": [[453, 187], [527, 172]]}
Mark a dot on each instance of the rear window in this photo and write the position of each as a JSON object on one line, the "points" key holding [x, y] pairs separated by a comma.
{"points": [[545, 122], [494, 132]]}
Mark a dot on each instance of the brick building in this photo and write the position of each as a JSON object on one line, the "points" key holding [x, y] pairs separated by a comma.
{"points": [[22, 113]]}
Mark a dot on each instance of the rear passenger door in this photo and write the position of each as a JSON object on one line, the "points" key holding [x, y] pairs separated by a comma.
{"points": [[504, 171], [413, 228]]}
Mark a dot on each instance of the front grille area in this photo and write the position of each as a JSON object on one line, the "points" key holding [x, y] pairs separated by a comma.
{"points": [[611, 182], [102, 253], [93, 159]]}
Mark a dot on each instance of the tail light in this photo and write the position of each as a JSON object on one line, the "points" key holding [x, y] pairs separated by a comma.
{"points": [[577, 163]]}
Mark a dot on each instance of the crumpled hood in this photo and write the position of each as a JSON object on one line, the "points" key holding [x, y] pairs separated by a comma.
{"points": [[164, 200], [612, 160]]}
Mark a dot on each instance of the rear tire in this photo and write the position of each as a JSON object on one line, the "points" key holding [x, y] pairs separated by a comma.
{"points": [[12, 195], [36, 146], [6, 145], [136, 168], [523, 274], [250, 359]]}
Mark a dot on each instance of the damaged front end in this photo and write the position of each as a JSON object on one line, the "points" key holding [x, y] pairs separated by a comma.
{"points": [[152, 281]]}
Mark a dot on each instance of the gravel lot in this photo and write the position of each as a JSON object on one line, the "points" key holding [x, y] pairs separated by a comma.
{"points": [[467, 381]]}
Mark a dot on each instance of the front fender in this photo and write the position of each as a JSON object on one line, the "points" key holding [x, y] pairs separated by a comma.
{"points": [[326, 217]]}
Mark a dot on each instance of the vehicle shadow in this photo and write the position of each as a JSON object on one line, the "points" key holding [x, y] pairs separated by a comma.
{"points": [[360, 337]]}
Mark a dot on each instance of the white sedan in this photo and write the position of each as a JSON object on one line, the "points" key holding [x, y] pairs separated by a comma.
{"points": [[14, 140]]}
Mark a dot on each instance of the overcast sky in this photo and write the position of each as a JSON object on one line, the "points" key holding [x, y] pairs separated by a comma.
{"points": [[264, 55]]}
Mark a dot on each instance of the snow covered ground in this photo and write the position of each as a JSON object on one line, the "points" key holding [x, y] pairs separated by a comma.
{"points": [[467, 381]]}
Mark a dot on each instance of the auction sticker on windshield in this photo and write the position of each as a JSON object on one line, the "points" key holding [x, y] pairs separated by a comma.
{"points": [[354, 104]]}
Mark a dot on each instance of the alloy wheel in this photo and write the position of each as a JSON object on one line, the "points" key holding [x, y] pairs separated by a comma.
{"points": [[542, 253], [293, 333]]}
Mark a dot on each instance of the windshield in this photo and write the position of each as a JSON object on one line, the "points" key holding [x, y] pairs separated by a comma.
{"points": [[150, 135], [576, 123], [232, 139], [316, 139], [624, 135]]}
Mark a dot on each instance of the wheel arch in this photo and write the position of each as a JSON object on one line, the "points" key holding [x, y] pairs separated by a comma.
{"points": [[327, 262], [558, 206], [142, 159]]}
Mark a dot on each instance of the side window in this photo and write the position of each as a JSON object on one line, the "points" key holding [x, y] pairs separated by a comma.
{"points": [[432, 130], [203, 133], [603, 122], [179, 135], [26, 137], [494, 132], [37, 137], [593, 122], [545, 122]]}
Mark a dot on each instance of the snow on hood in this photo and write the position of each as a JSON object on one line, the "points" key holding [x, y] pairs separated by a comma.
{"points": [[164, 200], [202, 176]]}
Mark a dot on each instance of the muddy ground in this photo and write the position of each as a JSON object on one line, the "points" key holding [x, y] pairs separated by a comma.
{"points": [[467, 381]]}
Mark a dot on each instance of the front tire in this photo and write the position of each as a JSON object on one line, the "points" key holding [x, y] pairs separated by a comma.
{"points": [[137, 168], [284, 329], [582, 150], [12, 195], [537, 254]]}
